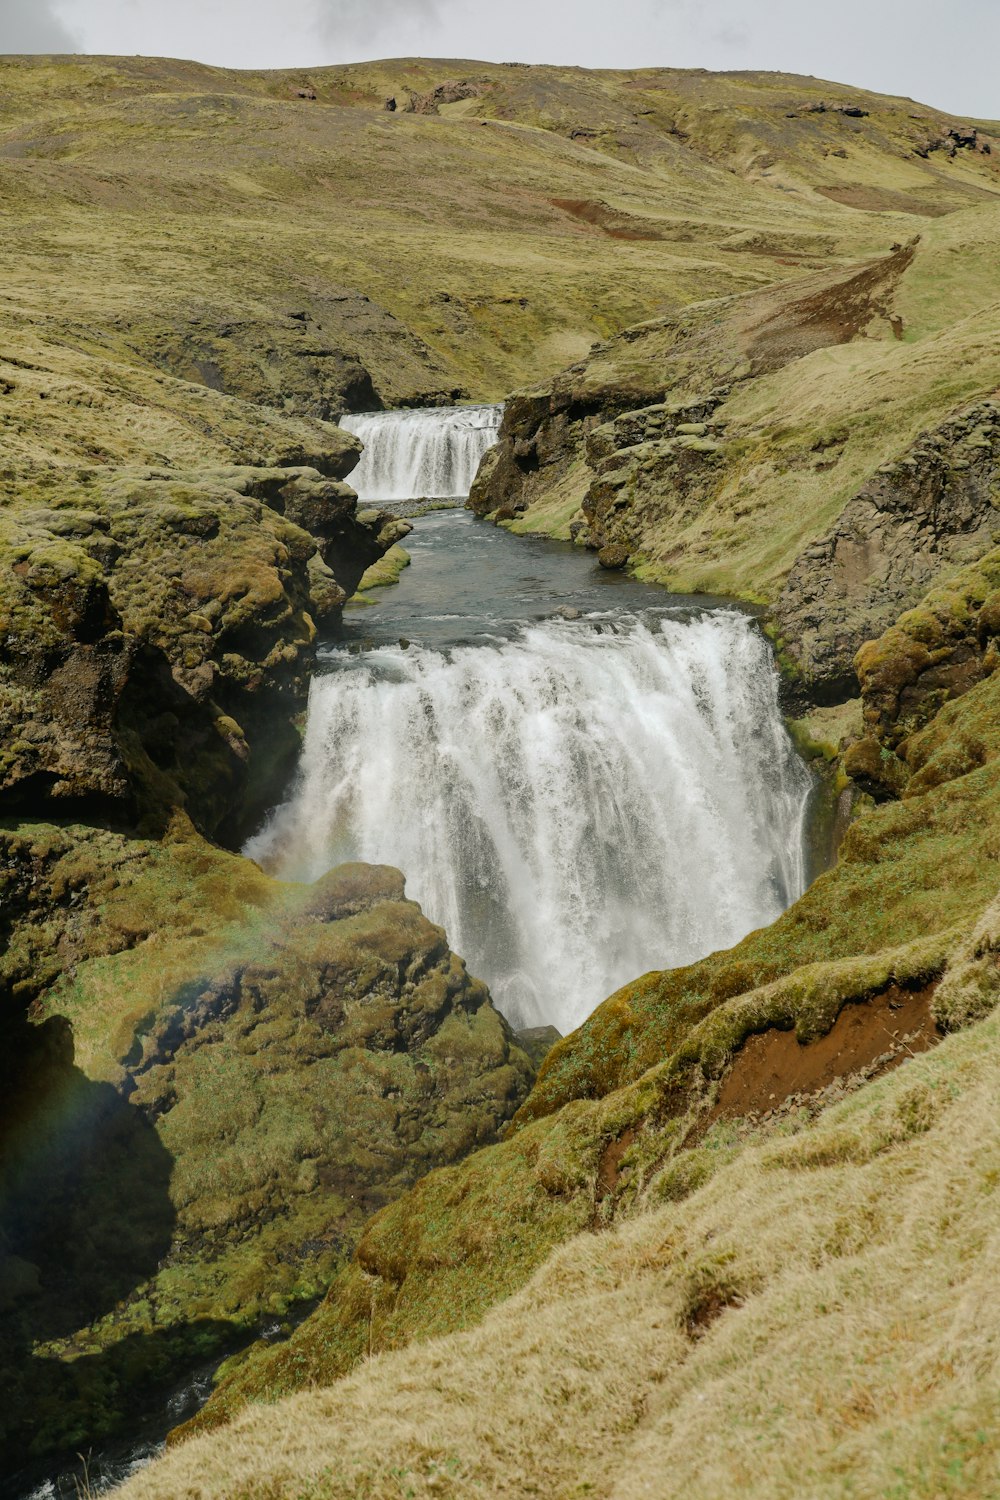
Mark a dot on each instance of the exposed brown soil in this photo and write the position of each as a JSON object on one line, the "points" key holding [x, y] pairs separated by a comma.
{"points": [[607, 1171], [836, 313], [773, 1066], [620, 226], [881, 200]]}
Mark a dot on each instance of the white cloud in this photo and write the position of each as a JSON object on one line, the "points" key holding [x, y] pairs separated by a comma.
{"points": [[34, 26], [343, 24]]}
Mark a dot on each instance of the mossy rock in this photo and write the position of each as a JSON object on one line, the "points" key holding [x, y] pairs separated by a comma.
{"points": [[223, 1078], [159, 633], [617, 1119]]}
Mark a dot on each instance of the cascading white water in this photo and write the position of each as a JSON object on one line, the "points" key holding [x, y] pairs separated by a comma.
{"points": [[575, 806], [430, 451]]}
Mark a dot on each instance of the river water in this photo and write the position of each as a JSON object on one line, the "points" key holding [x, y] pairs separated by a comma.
{"points": [[582, 777]]}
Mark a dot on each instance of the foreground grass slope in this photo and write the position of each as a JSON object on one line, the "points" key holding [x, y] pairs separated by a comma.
{"points": [[817, 1318], [673, 1077]]}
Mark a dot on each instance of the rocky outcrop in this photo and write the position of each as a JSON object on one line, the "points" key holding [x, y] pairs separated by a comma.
{"points": [[602, 414], [933, 654], [338, 352], [253, 1068], [541, 434], [451, 92], [287, 360], [955, 138], [669, 450], [158, 630], [933, 509]]}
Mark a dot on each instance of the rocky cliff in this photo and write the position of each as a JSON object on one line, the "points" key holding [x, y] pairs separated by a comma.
{"points": [[158, 632], [813, 448], [220, 1079]]}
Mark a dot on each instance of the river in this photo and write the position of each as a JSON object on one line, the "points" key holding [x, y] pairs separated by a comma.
{"points": [[582, 777]]}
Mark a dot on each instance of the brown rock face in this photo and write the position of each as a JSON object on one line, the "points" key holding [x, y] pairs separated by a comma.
{"points": [[158, 631], [932, 509]]}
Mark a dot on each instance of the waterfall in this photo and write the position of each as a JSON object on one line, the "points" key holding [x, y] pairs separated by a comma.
{"points": [[430, 451], [575, 805]]}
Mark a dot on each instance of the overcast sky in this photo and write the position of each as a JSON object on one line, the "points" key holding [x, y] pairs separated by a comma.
{"points": [[946, 54]]}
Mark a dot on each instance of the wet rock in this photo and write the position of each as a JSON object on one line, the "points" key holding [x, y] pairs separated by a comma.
{"points": [[614, 556]]}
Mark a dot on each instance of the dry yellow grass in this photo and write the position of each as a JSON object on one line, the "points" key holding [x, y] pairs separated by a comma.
{"points": [[797, 442], [818, 1321], [131, 188]]}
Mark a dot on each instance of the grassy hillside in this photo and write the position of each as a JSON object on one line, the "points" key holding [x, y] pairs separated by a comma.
{"points": [[823, 447], [479, 247], [806, 408], [738, 309]]}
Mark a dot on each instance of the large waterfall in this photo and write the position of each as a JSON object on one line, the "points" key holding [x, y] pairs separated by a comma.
{"points": [[575, 804], [430, 451]]}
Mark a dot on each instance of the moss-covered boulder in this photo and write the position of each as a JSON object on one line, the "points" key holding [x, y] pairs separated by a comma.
{"points": [[220, 1078], [918, 517], [933, 653]]}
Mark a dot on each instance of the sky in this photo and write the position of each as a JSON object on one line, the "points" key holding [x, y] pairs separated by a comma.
{"points": [[941, 54]]}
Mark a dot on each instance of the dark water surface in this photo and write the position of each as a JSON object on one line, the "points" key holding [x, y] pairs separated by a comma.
{"points": [[469, 581]]}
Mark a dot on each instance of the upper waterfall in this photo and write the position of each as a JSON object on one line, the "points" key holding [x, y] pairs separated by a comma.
{"points": [[428, 451], [575, 805]]}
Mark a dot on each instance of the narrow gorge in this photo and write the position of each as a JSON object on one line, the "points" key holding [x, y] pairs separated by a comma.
{"points": [[499, 784], [582, 780]]}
